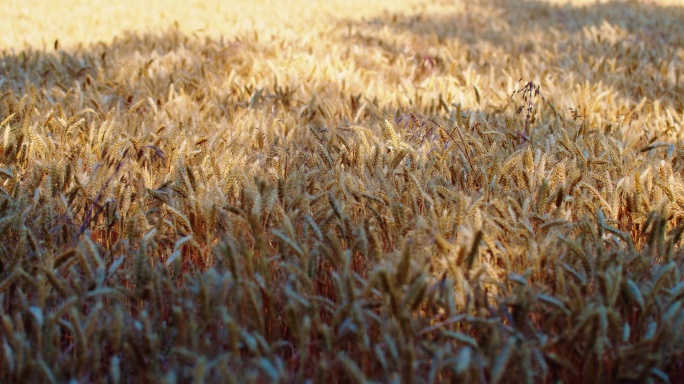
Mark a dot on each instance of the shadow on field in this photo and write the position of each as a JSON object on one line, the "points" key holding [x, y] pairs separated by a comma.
{"points": [[145, 68], [633, 48], [146, 71]]}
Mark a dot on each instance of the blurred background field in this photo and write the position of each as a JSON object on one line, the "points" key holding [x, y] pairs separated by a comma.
{"points": [[341, 191], [37, 22]]}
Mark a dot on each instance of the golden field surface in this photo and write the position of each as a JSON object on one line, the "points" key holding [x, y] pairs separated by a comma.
{"points": [[345, 191]]}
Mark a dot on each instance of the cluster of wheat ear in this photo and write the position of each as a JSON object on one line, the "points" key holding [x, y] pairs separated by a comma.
{"points": [[368, 201]]}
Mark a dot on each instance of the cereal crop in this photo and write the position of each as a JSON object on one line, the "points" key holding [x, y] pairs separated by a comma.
{"points": [[342, 192]]}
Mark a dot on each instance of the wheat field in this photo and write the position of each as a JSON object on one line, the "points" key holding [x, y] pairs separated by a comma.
{"points": [[404, 191]]}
